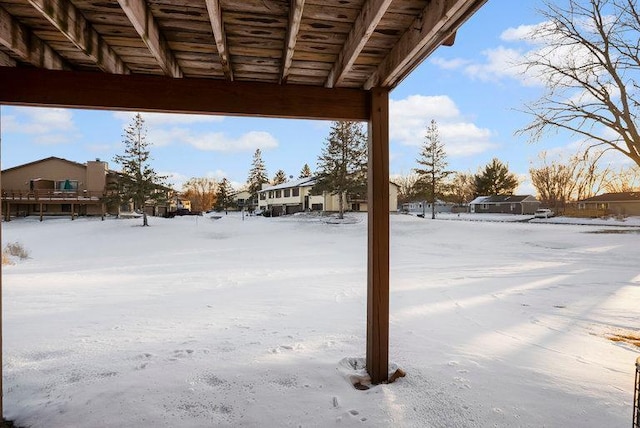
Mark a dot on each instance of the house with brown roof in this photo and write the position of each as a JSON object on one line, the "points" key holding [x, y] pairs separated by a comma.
{"points": [[56, 186], [622, 203]]}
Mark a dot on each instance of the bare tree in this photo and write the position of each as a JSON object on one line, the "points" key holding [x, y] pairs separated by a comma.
{"points": [[558, 182], [462, 188], [590, 65], [407, 190], [627, 179], [201, 192]]}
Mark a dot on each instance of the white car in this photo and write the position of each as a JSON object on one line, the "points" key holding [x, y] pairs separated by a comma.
{"points": [[543, 213]]}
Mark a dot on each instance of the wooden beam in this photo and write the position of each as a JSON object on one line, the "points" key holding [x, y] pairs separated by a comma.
{"points": [[148, 29], [215, 16], [25, 45], [67, 19], [364, 26], [451, 40], [378, 238], [435, 26], [6, 60], [95, 90], [295, 17]]}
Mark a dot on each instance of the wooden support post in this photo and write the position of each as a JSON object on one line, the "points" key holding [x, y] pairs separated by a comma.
{"points": [[2, 316], [40, 211], [8, 216], [72, 208], [378, 238]]}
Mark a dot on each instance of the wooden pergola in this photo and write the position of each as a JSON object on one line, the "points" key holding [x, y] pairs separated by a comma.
{"points": [[312, 59]]}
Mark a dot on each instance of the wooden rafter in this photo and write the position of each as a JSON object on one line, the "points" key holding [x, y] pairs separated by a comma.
{"points": [[6, 60], [215, 16], [295, 17], [138, 92], [148, 29], [436, 24], [25, 45], [367, 21], [63, 15]]}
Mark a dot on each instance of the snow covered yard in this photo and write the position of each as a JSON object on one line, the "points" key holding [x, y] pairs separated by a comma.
{"points": [[196, 322]]}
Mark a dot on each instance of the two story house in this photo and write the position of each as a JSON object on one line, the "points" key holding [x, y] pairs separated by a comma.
{"points": [[57, 186], [296, 196]]}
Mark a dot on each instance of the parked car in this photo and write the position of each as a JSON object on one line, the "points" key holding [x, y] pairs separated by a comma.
{"points": [[543, 213]]}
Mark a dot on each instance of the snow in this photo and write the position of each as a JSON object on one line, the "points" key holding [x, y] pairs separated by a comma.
{"points": [[196, 322]]}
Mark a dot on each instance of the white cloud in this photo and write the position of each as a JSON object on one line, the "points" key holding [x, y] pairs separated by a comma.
{"points": [[522, 33], [450, 64], [408, 119], [49, 125], [220, 142], [212, 141], [163, 119], [500, 63], [218, 174]]}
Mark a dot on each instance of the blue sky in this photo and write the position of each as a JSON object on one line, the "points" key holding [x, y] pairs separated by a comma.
{"points": [[470, 89]]}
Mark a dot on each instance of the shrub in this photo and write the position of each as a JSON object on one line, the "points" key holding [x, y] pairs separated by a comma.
{"points": [[14, 249]]}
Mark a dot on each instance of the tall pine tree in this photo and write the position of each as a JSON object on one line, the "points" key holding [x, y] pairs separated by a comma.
{"points": [[139, 182], [257, 176], [342, 165], [279, 178], [223, 196], [305, 171], [433, 173]]}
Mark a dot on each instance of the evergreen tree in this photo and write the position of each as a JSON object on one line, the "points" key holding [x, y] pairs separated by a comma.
{"points": [[433, 173], [257, 175], [279, 178], [139, 182], [305, 171], [495, 179], [342, 165], [223, 196]]}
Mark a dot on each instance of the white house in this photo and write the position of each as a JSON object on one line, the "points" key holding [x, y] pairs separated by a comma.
{"points": [[295, 196]]}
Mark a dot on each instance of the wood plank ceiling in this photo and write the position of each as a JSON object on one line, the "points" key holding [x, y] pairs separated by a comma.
{"points": [[326, 43]]}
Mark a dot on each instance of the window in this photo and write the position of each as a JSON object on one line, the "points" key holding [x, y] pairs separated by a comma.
{"points": [[270, 194], [65, 208], [287, 193], [67, 185], [295, 192], [263, 196], [36, 207], [278, 193]]}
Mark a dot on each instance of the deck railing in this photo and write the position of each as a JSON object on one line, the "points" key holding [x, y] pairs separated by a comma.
{"points": [[43, 195]]}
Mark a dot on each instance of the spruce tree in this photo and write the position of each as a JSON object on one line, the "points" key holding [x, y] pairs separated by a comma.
{"points": [[432, 174], [223, 196], [495, 179], [305, 171], [139, 182], [342, 165], [279, 178], [257, 175]]}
